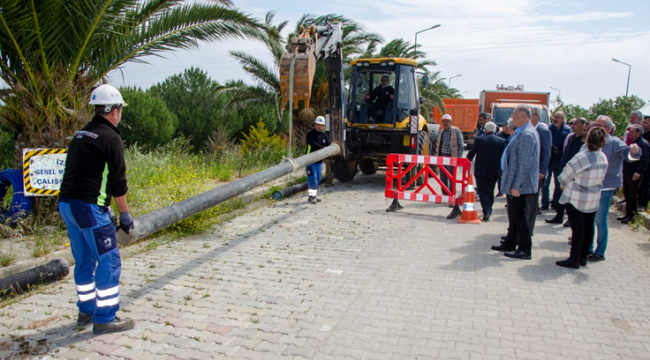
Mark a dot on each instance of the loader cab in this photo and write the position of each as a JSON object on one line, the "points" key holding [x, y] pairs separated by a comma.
{"points": [[382, 104]]}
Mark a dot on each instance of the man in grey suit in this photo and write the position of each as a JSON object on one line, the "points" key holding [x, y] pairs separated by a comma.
{"points": [[520, 181]]}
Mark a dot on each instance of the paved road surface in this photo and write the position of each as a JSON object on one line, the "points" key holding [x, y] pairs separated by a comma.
{"points": [[346, 280]]}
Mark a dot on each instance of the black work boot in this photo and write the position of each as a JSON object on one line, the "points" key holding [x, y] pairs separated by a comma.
{"points": [[117, 325], [84, 319]]}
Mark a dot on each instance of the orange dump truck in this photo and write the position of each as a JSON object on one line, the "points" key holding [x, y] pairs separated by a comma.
{"points": [[500, 103]]}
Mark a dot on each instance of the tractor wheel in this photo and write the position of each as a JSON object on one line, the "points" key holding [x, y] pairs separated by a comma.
{"points": [[368, 167], [344, 170]]}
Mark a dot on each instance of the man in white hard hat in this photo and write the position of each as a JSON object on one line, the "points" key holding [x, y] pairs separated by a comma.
{"points": [[95, 172], [316, 139]]}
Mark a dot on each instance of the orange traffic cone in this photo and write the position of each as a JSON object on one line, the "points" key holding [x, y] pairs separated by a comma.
{"points": [[470, 214]]}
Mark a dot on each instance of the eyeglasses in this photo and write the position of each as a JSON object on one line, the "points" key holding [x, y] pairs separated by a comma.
{"points": [[535, 114], [571, 123]]}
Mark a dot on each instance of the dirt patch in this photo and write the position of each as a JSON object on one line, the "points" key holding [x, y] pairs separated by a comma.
{"points": [[40, 323]]}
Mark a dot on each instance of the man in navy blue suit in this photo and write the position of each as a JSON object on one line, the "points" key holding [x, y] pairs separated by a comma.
{"points": [[488, 150]]}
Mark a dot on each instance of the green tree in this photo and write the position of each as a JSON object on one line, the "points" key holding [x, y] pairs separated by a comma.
{"points": [[192, 97], [146, 120], [53, 52], [618, 109], [267, 77]]}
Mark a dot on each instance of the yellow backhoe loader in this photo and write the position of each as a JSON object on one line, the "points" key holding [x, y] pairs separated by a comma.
{"points": [[377, 113]]}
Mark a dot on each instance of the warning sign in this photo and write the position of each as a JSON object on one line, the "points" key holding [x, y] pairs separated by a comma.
{"points": [[43, 171]]}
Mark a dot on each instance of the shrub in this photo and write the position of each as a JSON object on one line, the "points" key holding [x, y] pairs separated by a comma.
{"points": [[259, 140], [146, 120]]}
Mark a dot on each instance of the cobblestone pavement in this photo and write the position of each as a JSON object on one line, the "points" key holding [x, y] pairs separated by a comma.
{"points": [[346, 280]]}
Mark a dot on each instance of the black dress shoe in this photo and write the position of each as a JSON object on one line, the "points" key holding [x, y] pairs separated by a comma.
{"points": [[503, 247], [539, 212], [486, 217], [567, 224], [555, 220], [544, 208], [517, 254], [568, 263], [621, 218], [627, 220], [504, 237], [583, 262]]}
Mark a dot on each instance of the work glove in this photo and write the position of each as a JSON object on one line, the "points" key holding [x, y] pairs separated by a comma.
{"points": [[113, 218], [126, 222]]}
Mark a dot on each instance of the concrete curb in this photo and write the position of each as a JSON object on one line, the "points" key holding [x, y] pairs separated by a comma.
{"points": [[619, 207], [246, 198]]}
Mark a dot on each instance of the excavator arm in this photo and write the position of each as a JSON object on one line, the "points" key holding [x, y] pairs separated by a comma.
{"points": [[317, 43], [313, 44]]}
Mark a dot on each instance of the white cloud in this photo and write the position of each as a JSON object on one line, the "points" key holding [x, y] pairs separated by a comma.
{"points": [[586, 16]]}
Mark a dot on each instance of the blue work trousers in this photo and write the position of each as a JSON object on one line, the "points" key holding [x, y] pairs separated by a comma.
{"points": [[97, 258], [314, 174]]}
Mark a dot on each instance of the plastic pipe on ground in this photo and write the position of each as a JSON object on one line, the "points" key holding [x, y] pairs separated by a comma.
{"points": [[169, 215], [54, 270]]}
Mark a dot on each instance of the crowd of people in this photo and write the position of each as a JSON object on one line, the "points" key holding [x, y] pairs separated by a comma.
{"points": [[584, 161]]}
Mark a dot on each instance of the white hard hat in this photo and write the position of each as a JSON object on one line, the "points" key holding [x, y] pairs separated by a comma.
{"points": [[106, 95], [446, 117], [319, 120]]}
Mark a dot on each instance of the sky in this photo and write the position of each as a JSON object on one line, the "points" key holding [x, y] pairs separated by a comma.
{"points": [[541, 44]]}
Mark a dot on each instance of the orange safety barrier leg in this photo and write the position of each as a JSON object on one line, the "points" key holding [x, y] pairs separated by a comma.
{"points": [[470, 214]]}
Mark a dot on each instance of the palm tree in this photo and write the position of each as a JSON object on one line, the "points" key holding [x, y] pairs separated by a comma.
{"points": [[403, 49], [267, 77], [53, 52], [436, 90]]}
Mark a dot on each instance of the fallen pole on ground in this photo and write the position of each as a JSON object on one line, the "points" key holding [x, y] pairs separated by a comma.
{"points": [[157, 220], [54, 270]]}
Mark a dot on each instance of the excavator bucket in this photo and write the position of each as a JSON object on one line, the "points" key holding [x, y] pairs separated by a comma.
{"points": [[303, 74]]}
